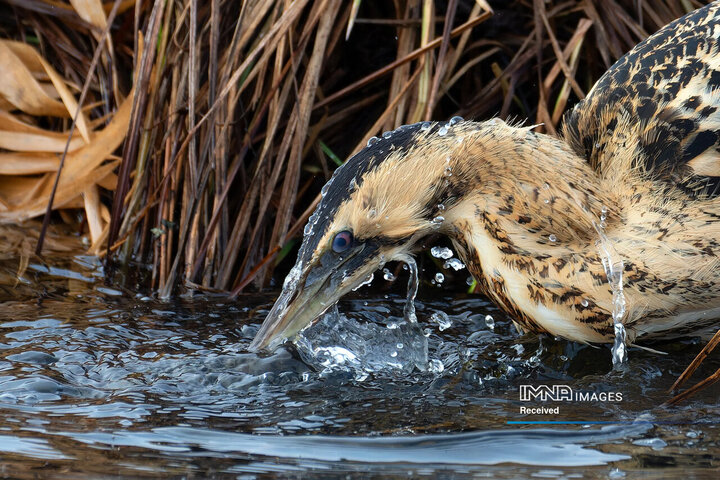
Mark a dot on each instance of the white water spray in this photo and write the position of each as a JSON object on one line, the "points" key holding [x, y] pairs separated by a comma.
{"points": [[613, 265]]}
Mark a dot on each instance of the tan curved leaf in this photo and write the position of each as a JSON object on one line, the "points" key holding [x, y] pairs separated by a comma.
{"points": [[91, 199], [15, 190], [19, 87], [91, 11], [27, 54], [68, 99], [22, 163], [102, 146], [23, 137]]}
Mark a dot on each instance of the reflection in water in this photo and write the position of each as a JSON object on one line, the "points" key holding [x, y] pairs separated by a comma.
{"points": [[90, 377]]}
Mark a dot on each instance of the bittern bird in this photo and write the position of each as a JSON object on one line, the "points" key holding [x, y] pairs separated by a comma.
{"points": [[543, 222]]}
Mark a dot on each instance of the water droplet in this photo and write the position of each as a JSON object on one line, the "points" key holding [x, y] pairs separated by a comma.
{"points": [[552, 237], [353, 183], [441, 252], [490, 322], [443, 131], [399, 345], [546, 186], [597, 145], [584, 302], [469, 281], [654, 443], [616, 473], [387, 134], [387, 275], [372, 213], [438, 220], [405, 267], [441, 207], [435, 366], [308, 229], [547, 201], [325, 188], [393, 354], [455, 119], [372, 141], [439, 277], [448, 171], [292, 277], [455, 264], [441, 319], [425, 126]]}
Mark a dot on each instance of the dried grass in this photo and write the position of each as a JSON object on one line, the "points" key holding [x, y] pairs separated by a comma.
{"points": [[208, 128]]}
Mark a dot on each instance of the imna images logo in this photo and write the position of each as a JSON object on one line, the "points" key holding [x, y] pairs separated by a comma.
{"points": [[565, 393]]}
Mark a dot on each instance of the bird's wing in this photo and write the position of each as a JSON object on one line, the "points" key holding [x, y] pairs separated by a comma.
{"points": [[660, 103]]}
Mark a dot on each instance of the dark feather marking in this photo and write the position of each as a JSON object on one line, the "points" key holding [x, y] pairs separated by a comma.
{"points": [[356, 168], [630, 92]]}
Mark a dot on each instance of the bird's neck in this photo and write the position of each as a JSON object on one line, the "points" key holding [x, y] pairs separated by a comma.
{"points": [[528, 231], [531, 191]]}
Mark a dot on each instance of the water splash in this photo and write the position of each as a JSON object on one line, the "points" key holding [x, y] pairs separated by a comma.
{"points": [[441, 252], [441, 319], [413, 283], [388, 275], [454, 263], [325, 188], [614, 266], [343, 343], [339, 342]]}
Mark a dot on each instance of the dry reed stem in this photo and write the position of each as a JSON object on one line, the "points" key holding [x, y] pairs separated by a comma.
{"points": [[222, 162]]}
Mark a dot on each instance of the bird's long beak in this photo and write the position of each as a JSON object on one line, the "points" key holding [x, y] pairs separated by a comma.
{"points": [[308, 292]]}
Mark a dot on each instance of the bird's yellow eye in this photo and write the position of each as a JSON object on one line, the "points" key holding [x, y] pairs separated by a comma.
{"points": [[342, 241]]}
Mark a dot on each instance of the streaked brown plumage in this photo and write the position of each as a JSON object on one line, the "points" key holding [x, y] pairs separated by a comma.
{"points": [[638, 164]]}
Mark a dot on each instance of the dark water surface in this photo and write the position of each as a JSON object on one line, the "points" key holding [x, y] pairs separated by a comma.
{"points": [[96, 382]]}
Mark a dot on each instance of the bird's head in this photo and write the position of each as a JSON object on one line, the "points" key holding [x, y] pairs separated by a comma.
{"points": [[419, 180], [375, 209]]}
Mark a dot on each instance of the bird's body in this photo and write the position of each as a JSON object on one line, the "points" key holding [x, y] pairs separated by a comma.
{"points": [[556, 231]]}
